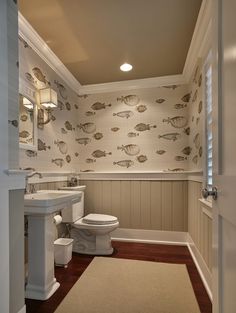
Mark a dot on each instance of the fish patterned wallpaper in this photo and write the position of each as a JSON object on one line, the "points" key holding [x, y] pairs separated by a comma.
{"points": [[57, 147], [150, 129], [196, 116], [138, 130]]}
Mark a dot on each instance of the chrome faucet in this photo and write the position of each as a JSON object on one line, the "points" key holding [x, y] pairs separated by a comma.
{"points": [[31, 188]]}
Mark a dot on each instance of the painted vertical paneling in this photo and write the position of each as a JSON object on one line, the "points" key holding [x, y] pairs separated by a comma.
{"points": [[97, 189], [185, 204], [166, 201], [125, 204], [106, 197], [199, 223], [89, 197], [135, 206], [145, 204], [116, 199], [177, 206], [156, 205]]}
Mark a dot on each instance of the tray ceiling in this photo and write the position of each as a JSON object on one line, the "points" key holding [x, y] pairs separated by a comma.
{"points": [[93, 38]]}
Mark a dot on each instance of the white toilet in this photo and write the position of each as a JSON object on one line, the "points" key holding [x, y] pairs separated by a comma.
{"points": [[91, 233]]}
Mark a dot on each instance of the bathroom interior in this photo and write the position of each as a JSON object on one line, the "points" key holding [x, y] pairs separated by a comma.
{"points": [[114, 160]]}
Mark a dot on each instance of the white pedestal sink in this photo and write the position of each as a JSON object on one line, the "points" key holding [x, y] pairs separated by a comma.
{"points": [[39, 207]]}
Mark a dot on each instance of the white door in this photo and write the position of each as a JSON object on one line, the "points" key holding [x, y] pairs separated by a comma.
{"points": [[224, 156]]}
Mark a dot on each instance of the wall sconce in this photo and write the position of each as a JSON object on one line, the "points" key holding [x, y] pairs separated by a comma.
{"points": [[48, 99]]}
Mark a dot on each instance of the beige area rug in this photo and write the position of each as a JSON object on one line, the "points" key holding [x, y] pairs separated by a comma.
{"points": [[112, 285]]}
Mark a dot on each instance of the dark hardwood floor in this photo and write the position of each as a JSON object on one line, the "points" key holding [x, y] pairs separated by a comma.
{"points": [[137, 251]]}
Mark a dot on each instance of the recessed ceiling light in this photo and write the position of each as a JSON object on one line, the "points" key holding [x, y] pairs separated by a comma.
{"points": [[126, 67]]}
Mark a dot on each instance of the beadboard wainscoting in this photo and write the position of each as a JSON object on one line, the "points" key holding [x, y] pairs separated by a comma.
{"points": [[200, 231], [153, 205]]}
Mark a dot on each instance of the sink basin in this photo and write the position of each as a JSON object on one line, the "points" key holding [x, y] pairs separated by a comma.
{"points": [[74, 188], [49, 201]]}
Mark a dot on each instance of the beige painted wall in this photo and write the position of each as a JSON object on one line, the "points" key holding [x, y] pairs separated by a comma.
{"points": [[200, 223]]}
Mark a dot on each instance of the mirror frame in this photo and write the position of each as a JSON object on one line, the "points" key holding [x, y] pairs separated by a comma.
{"points": [[30, 92]]}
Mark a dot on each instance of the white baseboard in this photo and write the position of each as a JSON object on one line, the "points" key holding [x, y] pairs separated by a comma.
{"points": [[23, 310], [202, 268], [150, 236], [170, 238]]}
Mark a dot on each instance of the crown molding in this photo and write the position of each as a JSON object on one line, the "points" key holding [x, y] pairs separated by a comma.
{"points": [[29, 34], [133, 84], [202, 38], [199, 47]]}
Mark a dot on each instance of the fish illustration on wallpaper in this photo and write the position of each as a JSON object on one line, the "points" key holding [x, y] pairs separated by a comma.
{"points": [[76, 106], [196, 140], [132, 134], [88, 128], [83, 141], [187, 150], [90, 113], [141, 108], [187, 131], [62, 89], [130, 100], [124, 163], [200, 81], [98, 136], [60, 105], [63, 131], [170, 136], [62, 146], [200, 152], [89, 161], [68, 125], [177, 169], [180, 158], [199, 107], [142, 158], [143, 127], [99, 106], [76, 154], [40, 76], [161, 100], [68, 158], [179, 106], [171, 86], [161, 152], [186, 98], [68, 106], [23, 117], [42, 146], [100, 153], [195, 96], [129, 149], [124, 114], [59, 162], [195, 159], [30, 78], [31, 153], [177, 121], [24, 134], [115, 129]]}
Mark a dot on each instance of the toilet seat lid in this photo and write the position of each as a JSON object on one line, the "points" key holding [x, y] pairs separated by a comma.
{"points": [[99, 219]]}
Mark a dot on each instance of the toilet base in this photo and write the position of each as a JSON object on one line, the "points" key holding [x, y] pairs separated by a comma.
{"points": [[87, 243]]}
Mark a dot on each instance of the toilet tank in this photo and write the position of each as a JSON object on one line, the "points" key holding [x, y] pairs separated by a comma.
{"points": [[73, 212]]}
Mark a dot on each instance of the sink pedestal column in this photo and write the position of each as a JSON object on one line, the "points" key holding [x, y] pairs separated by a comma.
{"points": [[41, 282]]}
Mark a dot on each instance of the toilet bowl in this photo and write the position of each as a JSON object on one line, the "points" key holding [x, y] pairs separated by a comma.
{"points": [[91, 233]]}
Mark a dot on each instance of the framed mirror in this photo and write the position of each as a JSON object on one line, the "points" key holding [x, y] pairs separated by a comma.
{"points": [[27, 117]]}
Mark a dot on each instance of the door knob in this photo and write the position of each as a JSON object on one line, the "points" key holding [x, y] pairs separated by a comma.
{"points": [[206, 193]]}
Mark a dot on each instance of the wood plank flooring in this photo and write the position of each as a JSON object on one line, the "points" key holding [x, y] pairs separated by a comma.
{"points": [[137, 251]]}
